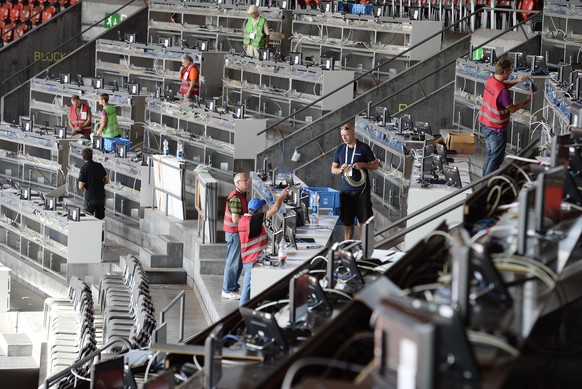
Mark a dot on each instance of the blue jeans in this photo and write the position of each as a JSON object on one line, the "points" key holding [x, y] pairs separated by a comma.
{"points": [[233, 266], [245, 295], [495, 143]]}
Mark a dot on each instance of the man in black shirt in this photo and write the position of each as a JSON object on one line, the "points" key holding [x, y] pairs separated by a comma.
{"points": [[93, 179]]}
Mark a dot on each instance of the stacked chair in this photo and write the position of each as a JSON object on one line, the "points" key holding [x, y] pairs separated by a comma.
{"points": [[70, 324], [128, 312]]}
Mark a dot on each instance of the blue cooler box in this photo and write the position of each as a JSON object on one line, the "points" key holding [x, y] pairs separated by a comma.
{"points": [[328, 197], [110, 144]]}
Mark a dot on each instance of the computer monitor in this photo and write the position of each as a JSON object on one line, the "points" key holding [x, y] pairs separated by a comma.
{"points": [[213, 357], [452, 176], [483, 270], [74, 213], [108, 374], [65, 78], [50, 203], [350, 267], [577, 89], [536, 64], [327, 63], [304, 202], [525, 219], [80, 81], [25, 192], [560, 150], [264, 54], [442, 152], [26, 124], [416, 337], [129, 38], [97, 82], [368, 241], [517, 59], [133, 88], [550, 191], [489, 56], [423, 129], [298, 299], [564, 71], [295, 58], [165, 41], [263, 328], [316, 297], [575, 75], [406, 123], [437, 163]]}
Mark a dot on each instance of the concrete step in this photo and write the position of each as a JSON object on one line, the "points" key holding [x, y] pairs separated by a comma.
{"points": [[158, 275], [212, 266], [15, 345], [153, 258], [212, 251], [170, 245]]}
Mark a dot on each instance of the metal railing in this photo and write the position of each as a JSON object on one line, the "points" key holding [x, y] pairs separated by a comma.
{"points": [[181, 297]]}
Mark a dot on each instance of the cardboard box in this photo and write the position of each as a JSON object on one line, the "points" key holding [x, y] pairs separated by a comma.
{"points": [[460, 142]]}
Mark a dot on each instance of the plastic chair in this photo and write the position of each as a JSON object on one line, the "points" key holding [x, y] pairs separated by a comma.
{"points": [[36, 15], [20, 30], [5, 13], [15, 13], [48, 14], [8, 32]]}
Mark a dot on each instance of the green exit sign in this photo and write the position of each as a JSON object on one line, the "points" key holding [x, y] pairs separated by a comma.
{"points": [[111, 20]]}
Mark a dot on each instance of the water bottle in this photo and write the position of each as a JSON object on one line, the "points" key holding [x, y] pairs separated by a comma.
{"points": [[282, 254], [166, 148], [180, 152], [314, 208]]}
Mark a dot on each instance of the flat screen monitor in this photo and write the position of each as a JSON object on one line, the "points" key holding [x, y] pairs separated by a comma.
{"points": [[442, 152], [489, 56], [165, 41], [368, 241], [327, 63], [536, 64], [107, 374], [560, 150], [298, 300], [26, 124], [129, 38], [304, 202], [415, 336], [564, 71], [437, 163], [573, 77], [50, 203], [213, 357], [316, 296], [25, 192], [349, 268], [65, 78], [577, 89], [483, 269], [517, 59], [525, 221], [263, 328], [74, 213], [423, 129], [133, 88], [550, 191], [295, 58], [80, 81], [406, 123], [452, 176], [97, 83], [264, 54]]}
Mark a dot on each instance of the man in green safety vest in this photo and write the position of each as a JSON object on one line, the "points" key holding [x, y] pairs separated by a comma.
{"points": [[256, 32], [108, 128]]}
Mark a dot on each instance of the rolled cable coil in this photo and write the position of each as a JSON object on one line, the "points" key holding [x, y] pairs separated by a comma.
{"points": [[351, 182]]}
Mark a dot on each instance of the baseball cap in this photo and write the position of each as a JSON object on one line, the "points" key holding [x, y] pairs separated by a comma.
{"points": [[252, 9], [256, 204]]}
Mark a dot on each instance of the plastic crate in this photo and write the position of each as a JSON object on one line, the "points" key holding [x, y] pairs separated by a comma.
{"points": [[328, 197], [110, 144]]}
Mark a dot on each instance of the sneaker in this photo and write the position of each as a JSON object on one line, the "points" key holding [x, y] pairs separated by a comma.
{"points": [[230, 295]]}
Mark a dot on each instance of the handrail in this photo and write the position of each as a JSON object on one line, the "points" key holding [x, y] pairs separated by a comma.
{"points": [[66, 43], [533, 13], [182, 298], [63, 373]]}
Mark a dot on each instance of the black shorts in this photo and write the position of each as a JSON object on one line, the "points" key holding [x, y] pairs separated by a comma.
{"points": [[355, 203]]}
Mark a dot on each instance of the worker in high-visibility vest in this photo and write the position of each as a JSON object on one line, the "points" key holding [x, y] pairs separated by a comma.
{"points": [[256, 32]]}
